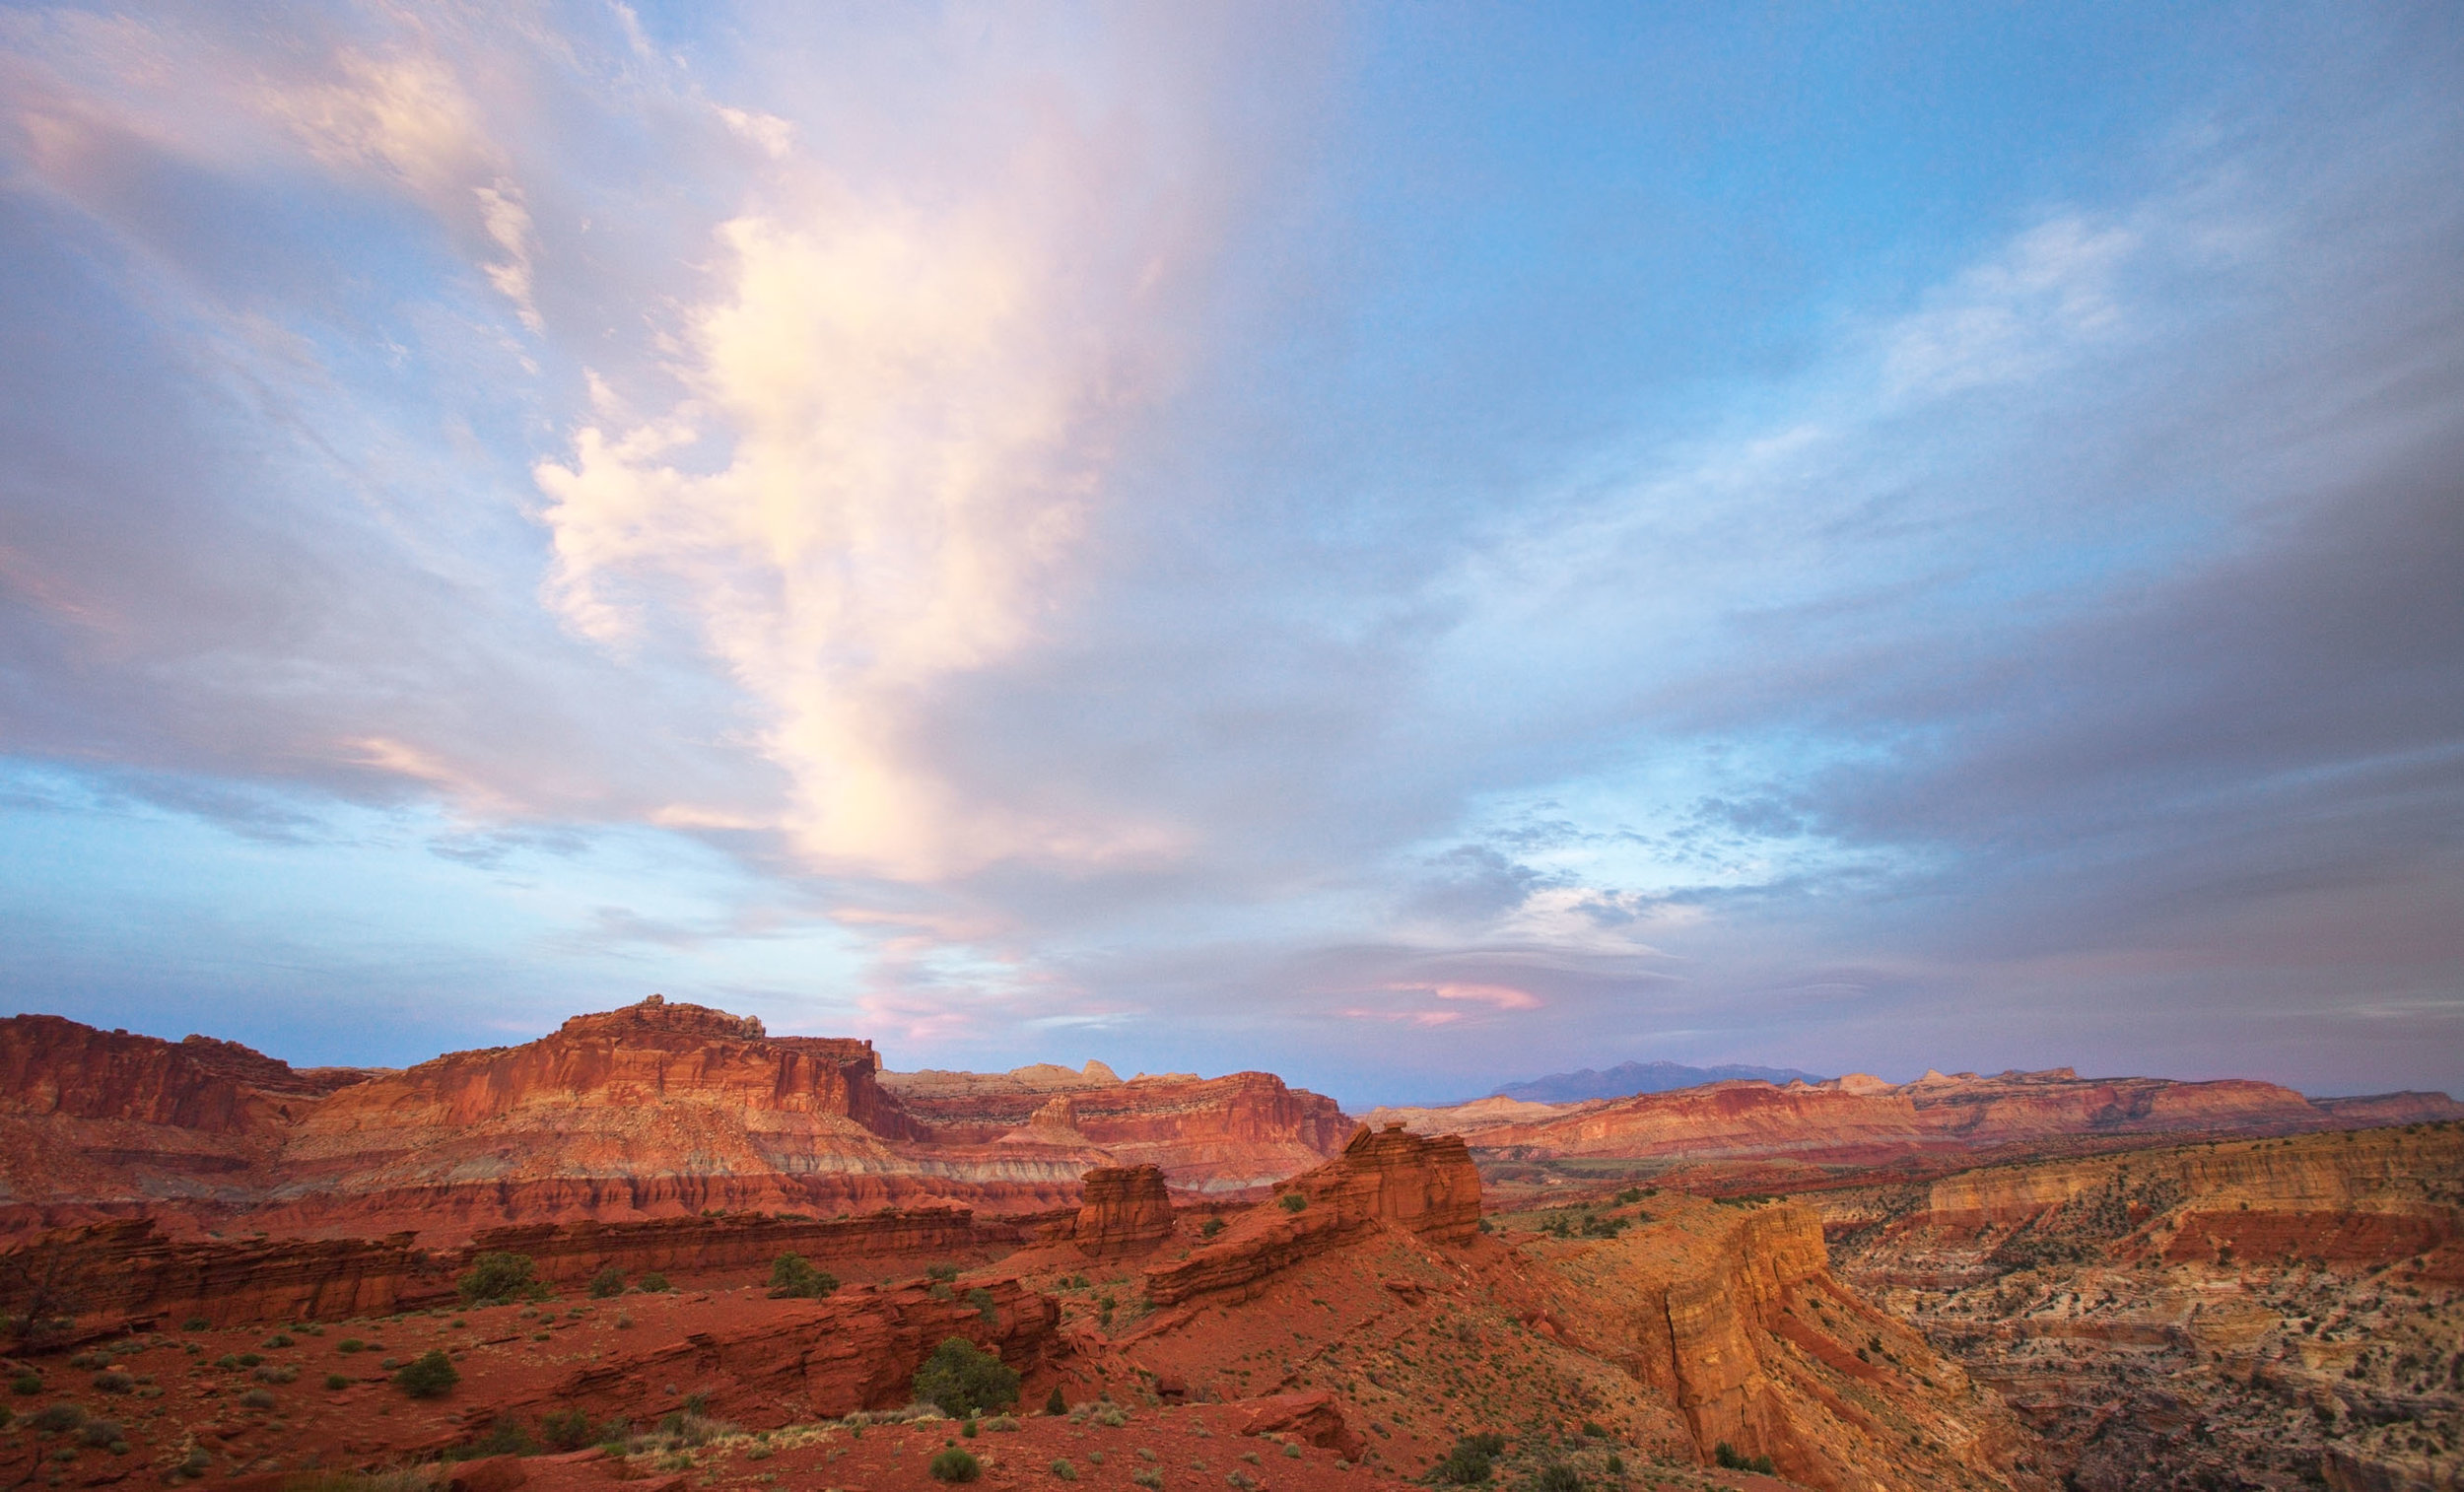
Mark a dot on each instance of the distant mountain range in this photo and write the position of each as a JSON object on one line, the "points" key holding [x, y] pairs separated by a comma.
{"points": [[1626, 1079]]}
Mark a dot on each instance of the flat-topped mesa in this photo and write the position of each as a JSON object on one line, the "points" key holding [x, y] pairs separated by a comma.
{"points": [[1127, 1211], [653, 1053], [1385, 1178]]}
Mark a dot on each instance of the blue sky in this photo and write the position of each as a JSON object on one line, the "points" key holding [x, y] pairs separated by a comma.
{"points": [[1411, 547]]}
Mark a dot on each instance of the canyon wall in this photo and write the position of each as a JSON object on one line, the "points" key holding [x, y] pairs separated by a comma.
{"points": [[656, 1109], [1732, 1312]]}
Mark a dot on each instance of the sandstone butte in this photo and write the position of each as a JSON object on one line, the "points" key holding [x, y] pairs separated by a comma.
{"points": [[657, 1109]]}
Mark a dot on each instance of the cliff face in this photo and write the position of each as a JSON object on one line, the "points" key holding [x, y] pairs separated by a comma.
{"points": [[1733, 1314], [657, 1109], [1127, 1211], [1384, 1179], [1210, 1134]]}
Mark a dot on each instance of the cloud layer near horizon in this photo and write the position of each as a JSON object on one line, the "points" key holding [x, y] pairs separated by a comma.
{"points": [[1405, 554]]}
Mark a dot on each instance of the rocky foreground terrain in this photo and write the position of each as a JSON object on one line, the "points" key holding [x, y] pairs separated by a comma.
{"points": [[218, 1267]]}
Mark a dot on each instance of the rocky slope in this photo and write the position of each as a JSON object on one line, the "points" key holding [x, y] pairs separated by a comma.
{"points": [[2259, 1314], [657, 1109]]}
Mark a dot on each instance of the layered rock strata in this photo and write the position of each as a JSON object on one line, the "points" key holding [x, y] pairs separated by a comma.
{"points": [[1127, 1211], [1384, 1179], [657, 1109]]}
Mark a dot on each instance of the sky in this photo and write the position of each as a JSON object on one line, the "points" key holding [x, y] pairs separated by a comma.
{"points": [[1411, 547]]}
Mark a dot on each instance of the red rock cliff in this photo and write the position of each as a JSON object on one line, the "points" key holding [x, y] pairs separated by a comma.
{"points": [[1387, 1178]]}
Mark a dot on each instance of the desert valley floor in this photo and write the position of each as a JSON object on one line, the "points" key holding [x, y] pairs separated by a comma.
{"points": [[222, 1269]]}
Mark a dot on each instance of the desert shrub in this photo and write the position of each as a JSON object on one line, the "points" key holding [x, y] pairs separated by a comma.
{"points": [[607, 1284], [1053, 1404], [114, 1381], [271, 1374], [954, 1464], [982, 1300], [1001, 1422], [51, 1419], [506, 1436], [197, 1323], [336, 1381], [1149, 1478], [965, 1380], [791, 1277], [1291, 1201], [27, 1384], [567, 1430], [249, 1359], [496, 1277], [941, 1271], [1111, 1416], [968, 1429], [1592, 1428], [1729, 1457], [1291, 1449], [256, 1398], [1472, 1460], [350, 1344], [1210, 1227], [430, 1375], [1557, 1476], [103, 1432], [689, 1426], [1065, 1471], [1617, 1464], [651, 1284], [277, 1339]]}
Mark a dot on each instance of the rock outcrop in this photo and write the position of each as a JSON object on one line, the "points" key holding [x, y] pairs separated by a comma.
{"points": [[1127, 1211], [1384, 1179], [128, 1269], [1732, 1312]]}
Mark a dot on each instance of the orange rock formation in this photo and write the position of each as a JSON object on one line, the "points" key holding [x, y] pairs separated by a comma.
{"points": [[658, 1109]]}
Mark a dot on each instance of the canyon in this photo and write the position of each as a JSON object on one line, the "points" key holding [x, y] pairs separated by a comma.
{"points": [[2022, 1281]]}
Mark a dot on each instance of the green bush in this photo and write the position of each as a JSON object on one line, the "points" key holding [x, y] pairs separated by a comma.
{"points": [[197, 1323], [954, 1464], [964, 1380], [496, 1278], [607, 1284], [1592, 1428], [506, 1436], [567, 1430], [651, 1284], [336, 1381], [1557, 1476], [941, 1271], [791, 1277], [1065, 1471], [1210, 1227], [1053, 1404], [1471, 1460], [256, 1398], [1727, 1456], [982, 1300], [430, 1375], [27, 1384], [1291, 1201], [51, 1419]]}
